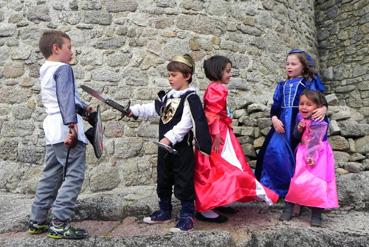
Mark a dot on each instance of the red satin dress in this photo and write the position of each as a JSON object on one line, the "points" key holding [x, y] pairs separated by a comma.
{"points": [[224, 177]]}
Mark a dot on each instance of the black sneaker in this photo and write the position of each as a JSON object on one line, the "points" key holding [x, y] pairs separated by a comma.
{"points": [[66, 231], [37, 228], [184, 224], [157, 217], [219, 219], [287, 212]]}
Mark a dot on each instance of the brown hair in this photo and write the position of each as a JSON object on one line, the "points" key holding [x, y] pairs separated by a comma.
{"points": [[308, 70], [315, 96], [177, 66], [214, 67], [48, 39]]}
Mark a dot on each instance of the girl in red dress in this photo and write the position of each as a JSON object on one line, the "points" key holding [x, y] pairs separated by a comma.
{"points": [[223, 177]]}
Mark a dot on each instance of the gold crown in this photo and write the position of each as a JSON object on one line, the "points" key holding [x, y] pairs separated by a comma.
{"points": [[186, 59]]}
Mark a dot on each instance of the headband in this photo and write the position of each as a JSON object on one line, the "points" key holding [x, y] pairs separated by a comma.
{"points": [[307, 55], [186, 59]]}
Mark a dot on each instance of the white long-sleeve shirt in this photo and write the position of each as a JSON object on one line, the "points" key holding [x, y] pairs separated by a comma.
{"points": [[60, 106], [177, 133]]}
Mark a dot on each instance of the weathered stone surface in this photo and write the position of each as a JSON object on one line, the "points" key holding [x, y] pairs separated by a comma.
{"points": [[109, 43], [123, 210], [104, 177], [350, 128], [353, 167], [352, 190], [13, 70], [139, 171], [201, 24], [341, 156], [97, 17], [362, 145], [115, 6], [128, 147], [339, 143], [24, 128], [8, 149], [7, 30], [38, 13], [30, 154]]}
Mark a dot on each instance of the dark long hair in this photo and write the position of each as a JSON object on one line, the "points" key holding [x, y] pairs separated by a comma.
{"points": [[215, 66]]}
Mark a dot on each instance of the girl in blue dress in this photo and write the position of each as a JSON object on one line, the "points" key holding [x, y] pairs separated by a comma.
{"points": [[276, 159]]}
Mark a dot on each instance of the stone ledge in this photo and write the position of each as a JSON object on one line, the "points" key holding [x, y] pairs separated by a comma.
{"points": [[254, 224]]}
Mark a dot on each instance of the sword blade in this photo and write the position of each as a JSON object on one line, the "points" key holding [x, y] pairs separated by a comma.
{"points": [[94, 93], [124, 110], [166, 147]]}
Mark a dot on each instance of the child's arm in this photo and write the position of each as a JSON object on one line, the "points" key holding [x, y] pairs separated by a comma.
{"points": [[66, 100], [276, 109], [144, 111], [319, 113], [317, 132]]}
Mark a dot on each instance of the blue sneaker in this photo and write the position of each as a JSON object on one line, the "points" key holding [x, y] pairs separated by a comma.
{"points": [[184, 224], [157, 217]]}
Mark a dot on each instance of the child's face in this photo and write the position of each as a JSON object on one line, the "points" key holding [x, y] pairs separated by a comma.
{"points": [[177, 80], [306, 107], [227, 74], [294, 67], [64, 53]]}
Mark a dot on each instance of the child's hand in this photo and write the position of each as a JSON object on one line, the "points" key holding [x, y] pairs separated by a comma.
{"points": [[165, 141], [71, 140], [319, 113], [278, 125], [301, 126], [310, 162], [216, 143], [89, 109], [131, 115]]}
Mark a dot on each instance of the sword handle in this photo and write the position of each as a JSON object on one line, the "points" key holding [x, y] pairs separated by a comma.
{"points": [[124, 110]]}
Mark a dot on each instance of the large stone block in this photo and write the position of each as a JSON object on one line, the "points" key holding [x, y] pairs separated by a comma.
{"points": [[201, 24], [139, 171], [116, 6], [104, 177], [339, 143]]}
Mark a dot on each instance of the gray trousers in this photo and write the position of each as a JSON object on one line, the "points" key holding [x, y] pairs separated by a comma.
{"points": [[52, 192]]}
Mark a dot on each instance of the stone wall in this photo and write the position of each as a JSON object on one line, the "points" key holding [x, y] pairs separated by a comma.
{"points": [[343, 36], [121, 49]]}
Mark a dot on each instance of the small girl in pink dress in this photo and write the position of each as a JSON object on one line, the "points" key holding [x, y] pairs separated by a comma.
{"points": [[313, 183]]}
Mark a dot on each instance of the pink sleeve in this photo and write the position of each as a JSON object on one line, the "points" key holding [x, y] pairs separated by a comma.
{"points": [[317, 132], [214, 103]]}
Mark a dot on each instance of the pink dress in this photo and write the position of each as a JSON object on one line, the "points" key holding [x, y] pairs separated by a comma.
{"points": [[314, 183]]}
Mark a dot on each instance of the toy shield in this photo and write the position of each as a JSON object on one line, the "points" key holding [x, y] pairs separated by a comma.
{"points": [[96, 133]]}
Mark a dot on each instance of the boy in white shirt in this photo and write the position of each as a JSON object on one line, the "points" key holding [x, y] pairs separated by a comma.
{"points": [[58, 188]]}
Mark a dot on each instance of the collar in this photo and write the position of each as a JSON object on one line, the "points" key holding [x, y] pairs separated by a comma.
{"points": [[176, 94]]}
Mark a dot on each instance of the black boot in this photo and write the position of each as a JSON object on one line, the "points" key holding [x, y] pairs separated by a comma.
{"points": [[287, 212], [316, 217]]}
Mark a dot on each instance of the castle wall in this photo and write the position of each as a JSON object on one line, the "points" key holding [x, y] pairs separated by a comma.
{"points": [[343, 37]]}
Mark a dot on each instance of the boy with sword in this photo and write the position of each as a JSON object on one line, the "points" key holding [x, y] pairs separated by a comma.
{"points": [[65, 157], [181, 119]]}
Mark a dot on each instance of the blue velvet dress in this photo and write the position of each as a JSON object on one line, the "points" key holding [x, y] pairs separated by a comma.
{"points": [[276, 159]]}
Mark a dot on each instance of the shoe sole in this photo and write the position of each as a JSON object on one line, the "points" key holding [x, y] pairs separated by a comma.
{"points": [[38, 231], [58, 236], [217, 220], [148, 220], [175, 230]]}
